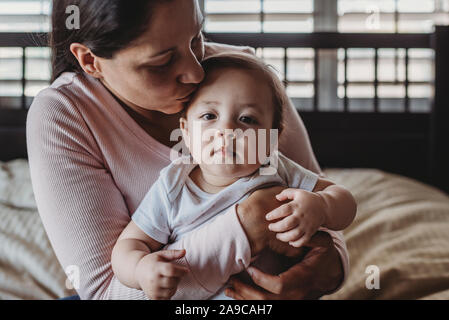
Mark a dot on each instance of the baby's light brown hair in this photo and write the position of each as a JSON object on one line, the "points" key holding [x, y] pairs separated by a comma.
{"points": [[250, 62]]}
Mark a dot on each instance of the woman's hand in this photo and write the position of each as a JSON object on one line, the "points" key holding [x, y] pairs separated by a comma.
{"points": [[157, 276], [320, 271]]}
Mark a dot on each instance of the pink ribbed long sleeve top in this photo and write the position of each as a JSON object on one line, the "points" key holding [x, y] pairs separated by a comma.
{"points": [[92, 164]]}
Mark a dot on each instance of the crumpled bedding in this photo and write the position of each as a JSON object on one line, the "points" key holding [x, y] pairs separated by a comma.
{"points": [[28, 266], [401, 228]]}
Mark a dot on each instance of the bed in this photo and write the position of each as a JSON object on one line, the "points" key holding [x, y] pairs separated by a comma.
{"points": [[395, 164]]}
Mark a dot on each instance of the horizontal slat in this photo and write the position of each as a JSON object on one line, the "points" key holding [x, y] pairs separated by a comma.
{"points": [[329, 40], [256, 16], [20, 39], [20, 18], [325, 40]]}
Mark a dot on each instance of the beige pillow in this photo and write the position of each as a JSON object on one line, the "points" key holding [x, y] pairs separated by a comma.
{"points": [[402, 227]]}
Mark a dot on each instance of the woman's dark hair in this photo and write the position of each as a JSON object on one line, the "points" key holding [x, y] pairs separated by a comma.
{"points": [[106, 26]]}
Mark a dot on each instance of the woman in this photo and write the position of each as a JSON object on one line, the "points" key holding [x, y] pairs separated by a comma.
{"points": [[98, 137]]}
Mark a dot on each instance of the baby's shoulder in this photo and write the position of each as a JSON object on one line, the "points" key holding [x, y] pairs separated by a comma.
{"points": [[292, 172], [174, 176]]}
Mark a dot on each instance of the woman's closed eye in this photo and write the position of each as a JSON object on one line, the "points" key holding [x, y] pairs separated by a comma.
{"points": [[162, 64]]}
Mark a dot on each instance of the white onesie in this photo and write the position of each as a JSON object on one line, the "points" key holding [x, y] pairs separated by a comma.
{"points": [[175, 205]]}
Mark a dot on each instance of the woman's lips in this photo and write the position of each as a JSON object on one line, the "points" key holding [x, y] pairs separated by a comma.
{"points": [[187, 97]]}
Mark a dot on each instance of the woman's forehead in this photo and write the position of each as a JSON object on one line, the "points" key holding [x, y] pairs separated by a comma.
{"points": [[172, 23]]}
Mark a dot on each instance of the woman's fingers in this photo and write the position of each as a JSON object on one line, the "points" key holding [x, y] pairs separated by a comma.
{"points": [[280, 212], [246, 292], [284, 225], [231, 293], [269, 282]]}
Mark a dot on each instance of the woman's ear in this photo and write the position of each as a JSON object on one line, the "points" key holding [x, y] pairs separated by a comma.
{"points": [[184, 130], [86, 59]]}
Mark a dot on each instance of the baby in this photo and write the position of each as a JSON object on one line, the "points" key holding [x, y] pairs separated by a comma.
{"points": [[240, 97]]}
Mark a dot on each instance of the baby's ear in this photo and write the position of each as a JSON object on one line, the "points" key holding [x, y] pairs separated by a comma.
{"points": [[184, 130], [183, 123]]}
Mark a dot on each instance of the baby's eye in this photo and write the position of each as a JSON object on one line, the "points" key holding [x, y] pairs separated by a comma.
{"points": [[208, 116], [248, 120]]}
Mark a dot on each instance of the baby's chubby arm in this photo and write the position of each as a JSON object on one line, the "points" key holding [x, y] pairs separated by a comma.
{"points": [[138, 264], [340, 208], [329, 205]]}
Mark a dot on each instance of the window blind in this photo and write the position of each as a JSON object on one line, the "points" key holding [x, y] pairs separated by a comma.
{"points": [[23, 16], [269, 16]]}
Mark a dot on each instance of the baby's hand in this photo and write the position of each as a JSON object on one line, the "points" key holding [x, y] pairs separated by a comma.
{"points": [[300, 218], [158, 277]]}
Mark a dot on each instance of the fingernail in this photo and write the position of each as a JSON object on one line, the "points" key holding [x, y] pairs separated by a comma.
{"points": [[268, 216], [250, 271]]}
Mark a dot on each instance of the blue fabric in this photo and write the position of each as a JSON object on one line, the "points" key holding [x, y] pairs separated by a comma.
{"points": [[71, 298]]}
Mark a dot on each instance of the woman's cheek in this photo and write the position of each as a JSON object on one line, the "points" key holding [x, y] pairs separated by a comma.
{"points": [[160, 82]]}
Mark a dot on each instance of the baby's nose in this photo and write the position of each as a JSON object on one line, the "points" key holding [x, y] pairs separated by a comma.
{"points": [[227, 134]]}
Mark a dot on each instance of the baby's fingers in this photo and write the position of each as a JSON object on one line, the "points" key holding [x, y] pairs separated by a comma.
{"points": [[165, 294], [280, 212], [290, 236], [301, 241], [284, 225], [169, 282], [169, 269], [286, 194]]}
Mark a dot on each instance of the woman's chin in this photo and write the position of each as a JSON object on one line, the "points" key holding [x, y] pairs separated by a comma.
{"points": [[173, 109]]}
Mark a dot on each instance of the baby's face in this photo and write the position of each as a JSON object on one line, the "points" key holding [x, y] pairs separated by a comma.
{"points": [[232, 107]]}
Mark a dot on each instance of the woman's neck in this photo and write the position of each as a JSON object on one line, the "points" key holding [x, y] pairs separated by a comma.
{"points": [[143, 115], [155, 123]]}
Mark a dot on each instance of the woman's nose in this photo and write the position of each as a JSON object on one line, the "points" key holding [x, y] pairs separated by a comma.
{"points": [[192, 72]]}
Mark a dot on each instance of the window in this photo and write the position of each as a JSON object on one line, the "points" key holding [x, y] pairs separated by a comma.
{"points": [[379, 16], [23, 16], [390, 16], [259, 16], [295, 65]]}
